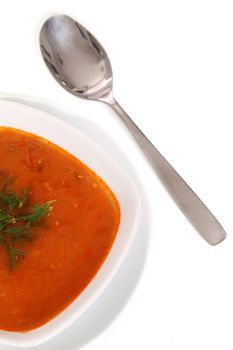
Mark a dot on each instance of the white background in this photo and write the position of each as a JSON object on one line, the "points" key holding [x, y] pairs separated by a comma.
{"points": [[173, 73]]}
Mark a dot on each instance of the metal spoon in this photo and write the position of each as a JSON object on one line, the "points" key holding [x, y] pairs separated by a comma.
{"points": [[80, 64]]}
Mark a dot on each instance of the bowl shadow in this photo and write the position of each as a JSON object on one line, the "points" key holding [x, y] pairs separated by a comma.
{"points": [[117, 294]]}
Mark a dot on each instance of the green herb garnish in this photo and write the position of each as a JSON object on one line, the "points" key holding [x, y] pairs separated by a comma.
{"points": [[37, 211], [15, 222], [11, 200]]}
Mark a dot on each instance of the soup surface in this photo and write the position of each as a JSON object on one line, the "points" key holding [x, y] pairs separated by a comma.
{"points": [[68, 246]]}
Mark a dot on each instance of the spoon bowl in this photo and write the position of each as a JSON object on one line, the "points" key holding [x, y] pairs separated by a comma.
{"points": [[75, 58]]}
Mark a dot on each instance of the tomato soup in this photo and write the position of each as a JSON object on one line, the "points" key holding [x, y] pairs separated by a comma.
{"points": [[68, 246]]}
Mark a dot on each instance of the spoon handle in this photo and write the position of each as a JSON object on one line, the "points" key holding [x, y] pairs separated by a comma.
{"points": [[189, 203]]}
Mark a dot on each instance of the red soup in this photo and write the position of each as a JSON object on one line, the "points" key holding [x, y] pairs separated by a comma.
{"points": [[58, 221]]}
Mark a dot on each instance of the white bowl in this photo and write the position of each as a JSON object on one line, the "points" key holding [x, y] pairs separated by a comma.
{"points": [[26, 118]]}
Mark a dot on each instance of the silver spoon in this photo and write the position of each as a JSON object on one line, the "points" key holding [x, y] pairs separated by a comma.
{"points": [[80, 64]]}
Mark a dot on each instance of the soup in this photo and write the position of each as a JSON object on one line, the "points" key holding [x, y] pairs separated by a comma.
{"points": [[67, 246]]}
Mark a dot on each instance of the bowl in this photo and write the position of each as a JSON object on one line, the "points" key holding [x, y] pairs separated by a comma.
{"points": [[43, 124]]}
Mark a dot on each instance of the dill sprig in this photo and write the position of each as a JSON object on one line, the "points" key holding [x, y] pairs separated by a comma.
{"points": [[14, 254], [5, 219], [15, 227], [37, 211]]}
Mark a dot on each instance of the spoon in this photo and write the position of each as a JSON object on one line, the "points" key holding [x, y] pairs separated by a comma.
{"points": [[80, 64]]}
